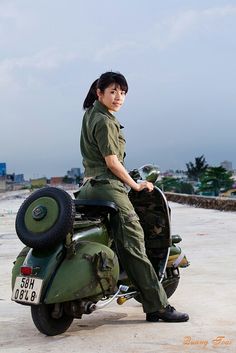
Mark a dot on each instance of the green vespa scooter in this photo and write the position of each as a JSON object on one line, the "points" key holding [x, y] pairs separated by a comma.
{"points": [[69, 266]]}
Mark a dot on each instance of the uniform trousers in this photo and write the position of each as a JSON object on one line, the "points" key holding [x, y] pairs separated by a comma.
{"points": [[129, 240]]}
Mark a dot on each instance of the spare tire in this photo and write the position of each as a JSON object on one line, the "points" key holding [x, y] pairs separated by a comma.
{"points": [[45, 218]]}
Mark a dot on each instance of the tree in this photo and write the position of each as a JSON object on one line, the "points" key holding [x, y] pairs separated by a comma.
{"points": [[186, 188], [194, 171], [167, 184], [216, 178], [175, 185]]}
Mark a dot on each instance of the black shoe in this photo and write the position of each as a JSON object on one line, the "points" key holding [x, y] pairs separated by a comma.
{"points": [[168, 314]]}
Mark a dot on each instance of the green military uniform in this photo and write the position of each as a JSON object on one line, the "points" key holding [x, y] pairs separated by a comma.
{"points": [[101, 136]]}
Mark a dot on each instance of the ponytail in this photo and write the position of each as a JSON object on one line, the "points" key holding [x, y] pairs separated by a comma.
{"points": [[102, 83], [91, 96]]}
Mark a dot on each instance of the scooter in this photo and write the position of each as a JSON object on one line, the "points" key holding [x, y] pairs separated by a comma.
{"points": [[69, 266]]}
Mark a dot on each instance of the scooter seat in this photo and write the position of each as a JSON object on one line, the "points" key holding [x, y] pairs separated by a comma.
{"points": [[95, 206]]}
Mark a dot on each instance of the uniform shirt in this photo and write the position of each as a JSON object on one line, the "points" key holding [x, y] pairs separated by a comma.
{"points": [[101, 136]]}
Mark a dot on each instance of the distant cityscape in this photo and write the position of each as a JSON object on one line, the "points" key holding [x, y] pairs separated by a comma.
{"points": [[74, 177], [16, 181]]}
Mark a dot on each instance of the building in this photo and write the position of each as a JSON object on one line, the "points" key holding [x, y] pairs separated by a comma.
{"points": [[3, 176], [19, 178], [227, 165], [10, 181], [74, 173], [3, 183], [3, 169], [56, 181]]}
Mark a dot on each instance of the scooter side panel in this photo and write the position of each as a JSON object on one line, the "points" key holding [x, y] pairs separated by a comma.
{"points": [[77, 277], [18, 263], [86, 232], [43, 263]]}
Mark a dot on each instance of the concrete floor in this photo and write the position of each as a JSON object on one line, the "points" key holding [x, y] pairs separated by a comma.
{"points": [[207, 291]]}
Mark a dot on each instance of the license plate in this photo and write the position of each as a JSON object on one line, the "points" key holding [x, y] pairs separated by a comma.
{"points": [[27, 290]]}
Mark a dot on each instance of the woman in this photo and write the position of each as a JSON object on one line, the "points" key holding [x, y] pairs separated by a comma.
{"points": [[103, 150]]}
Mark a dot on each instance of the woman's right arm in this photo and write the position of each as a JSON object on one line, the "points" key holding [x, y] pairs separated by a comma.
{"points": [[118, 170]]}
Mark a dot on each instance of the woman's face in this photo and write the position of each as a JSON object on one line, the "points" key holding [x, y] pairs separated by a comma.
{"points": [[113, 97]]}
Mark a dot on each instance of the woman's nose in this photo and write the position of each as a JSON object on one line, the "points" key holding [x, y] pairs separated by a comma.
{"points": [[118, 95]]}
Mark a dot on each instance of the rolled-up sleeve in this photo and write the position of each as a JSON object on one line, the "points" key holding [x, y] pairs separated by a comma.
{"points": [[106, 134]]}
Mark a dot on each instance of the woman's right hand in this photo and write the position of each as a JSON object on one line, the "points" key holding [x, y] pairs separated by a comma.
{"points": [[118, 170], [144, 185]]}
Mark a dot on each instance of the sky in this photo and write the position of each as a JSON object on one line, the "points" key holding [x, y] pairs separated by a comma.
{"points": [[178, 56]]}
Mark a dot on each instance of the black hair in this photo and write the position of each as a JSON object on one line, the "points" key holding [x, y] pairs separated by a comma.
{"points": [[102, 83]]}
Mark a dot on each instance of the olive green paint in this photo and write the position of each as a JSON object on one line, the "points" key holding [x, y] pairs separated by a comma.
{"points": [[79, 275], [50, 218]]}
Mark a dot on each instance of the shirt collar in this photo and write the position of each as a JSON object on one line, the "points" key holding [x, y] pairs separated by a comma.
{"points": [[102, 108]]}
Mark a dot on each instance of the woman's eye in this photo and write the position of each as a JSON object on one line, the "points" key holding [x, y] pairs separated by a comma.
{"points": [[122, 93]]}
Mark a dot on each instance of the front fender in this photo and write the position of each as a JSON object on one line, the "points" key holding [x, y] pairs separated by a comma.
{"points": [[177, 258]]}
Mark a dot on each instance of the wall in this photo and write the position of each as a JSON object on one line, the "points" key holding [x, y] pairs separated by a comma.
{"points": [[218, 203]]}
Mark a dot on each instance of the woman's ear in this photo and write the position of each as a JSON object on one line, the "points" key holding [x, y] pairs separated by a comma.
{"points": [[99, 93]]}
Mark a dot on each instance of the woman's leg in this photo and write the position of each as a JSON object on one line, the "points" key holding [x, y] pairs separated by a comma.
{"points": [[129, 240]]}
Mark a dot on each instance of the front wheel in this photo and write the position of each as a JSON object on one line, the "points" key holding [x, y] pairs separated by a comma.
{"points": [[43, 319], [170, 286]]}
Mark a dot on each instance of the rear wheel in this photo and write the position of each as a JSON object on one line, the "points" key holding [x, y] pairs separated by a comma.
{"points": [[43, 319]]}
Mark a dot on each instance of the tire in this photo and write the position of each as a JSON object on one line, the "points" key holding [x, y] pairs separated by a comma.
{"points": [[170, 286], [46, 324], [45, 218]]}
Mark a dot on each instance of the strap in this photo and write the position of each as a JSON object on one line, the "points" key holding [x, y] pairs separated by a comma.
{"points": [[178, 260]]}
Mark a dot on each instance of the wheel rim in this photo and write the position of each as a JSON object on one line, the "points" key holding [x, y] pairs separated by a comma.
{"points": [[41, 215]]}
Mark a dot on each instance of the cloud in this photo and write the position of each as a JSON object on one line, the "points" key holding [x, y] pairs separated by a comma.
{"points": [[159, 36], [219, 12], [164, 33], [174, 28], [46, 60], [8, 11], [113, 48]]}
